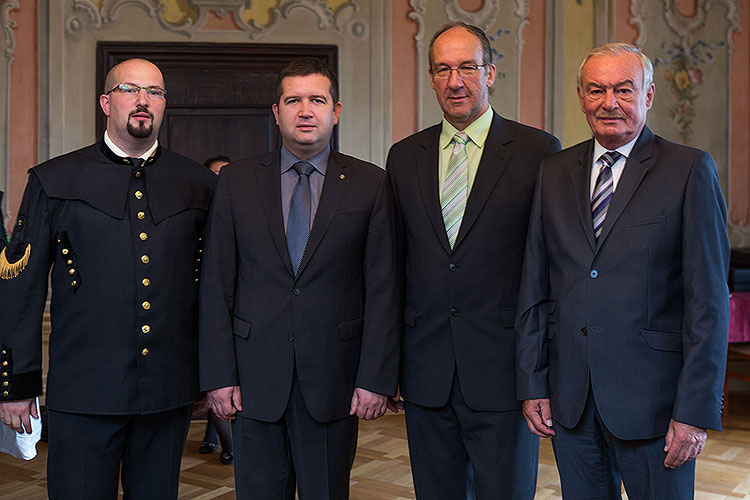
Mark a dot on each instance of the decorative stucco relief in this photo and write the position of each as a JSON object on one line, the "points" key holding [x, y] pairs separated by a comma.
{"points": [[344, 19]]}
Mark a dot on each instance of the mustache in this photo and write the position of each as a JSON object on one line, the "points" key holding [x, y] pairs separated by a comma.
{"points": [[141, 109], [614, 114]]}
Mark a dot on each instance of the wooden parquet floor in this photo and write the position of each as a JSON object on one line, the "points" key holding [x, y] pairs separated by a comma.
{"points": [[381, 470]]}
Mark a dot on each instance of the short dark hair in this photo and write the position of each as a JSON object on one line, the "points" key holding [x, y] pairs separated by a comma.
{"points": [[213, 159], [474, 30], [304, 66]]}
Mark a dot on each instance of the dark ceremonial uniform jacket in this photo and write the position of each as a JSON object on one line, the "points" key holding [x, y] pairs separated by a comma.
{"points": [[124, 244]]}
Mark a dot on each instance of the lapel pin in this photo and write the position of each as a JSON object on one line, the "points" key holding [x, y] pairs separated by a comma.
{"points": [[342, 177]]}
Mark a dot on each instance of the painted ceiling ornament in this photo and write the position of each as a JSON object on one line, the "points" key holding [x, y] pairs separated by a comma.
{"points": [[481, 18], [343, 20]]}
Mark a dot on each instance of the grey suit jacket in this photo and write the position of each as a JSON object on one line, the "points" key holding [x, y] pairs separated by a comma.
{"points": [[460, 304], [337, 323], [641, 314]]}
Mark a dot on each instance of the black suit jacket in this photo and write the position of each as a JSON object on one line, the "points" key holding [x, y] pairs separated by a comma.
{"points": [[124, 283], [641, 314], [337, 323], [460, 304]]}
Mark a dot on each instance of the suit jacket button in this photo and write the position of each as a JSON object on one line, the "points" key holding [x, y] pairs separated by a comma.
{"points": [[290, 338], [296, 291], [594, 273], [584, 331], [144, 352], [454, 311], [452, 266]]}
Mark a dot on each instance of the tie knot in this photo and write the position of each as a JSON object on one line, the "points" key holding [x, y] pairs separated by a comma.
{"points": [[303, 168], [461, 138], [137, 162], [610, 158]]}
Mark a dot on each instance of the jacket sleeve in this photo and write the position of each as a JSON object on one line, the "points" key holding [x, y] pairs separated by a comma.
{"points": [[381, 340], [216, 354], [705, 266], [24, 270], [532, 364]]}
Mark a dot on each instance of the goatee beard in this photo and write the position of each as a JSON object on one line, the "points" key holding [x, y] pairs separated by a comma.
{"points": [[141, 131]]}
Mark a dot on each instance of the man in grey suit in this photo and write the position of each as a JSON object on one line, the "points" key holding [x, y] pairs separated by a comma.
{"points": [[463, 195], [299, 301], [623, 311]]}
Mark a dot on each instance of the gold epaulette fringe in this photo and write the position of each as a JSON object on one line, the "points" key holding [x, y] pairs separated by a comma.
{"points": [[9, 271]]}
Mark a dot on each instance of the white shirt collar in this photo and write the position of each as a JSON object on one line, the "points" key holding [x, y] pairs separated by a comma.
{"points": [[624, 150], [119, 152]]}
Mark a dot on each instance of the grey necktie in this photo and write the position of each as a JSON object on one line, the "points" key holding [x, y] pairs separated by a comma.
{"points": [[298, 223]]}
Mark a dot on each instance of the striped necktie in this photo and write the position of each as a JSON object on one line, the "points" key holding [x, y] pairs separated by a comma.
{"points": [[455, 187], [603, 190]]}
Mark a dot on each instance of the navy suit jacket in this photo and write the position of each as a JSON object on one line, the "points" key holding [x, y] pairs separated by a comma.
{"points": [[639, 315], [460, 303]]}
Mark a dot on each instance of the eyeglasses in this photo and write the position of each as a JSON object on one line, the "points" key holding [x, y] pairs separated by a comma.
{"points": [[464, 71], [133, 90]]}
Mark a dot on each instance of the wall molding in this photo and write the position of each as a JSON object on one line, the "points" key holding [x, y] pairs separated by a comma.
{"points": [[9, 38]]}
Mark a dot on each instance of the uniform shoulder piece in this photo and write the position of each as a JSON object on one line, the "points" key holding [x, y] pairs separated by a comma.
{"points": [[10, 270]]}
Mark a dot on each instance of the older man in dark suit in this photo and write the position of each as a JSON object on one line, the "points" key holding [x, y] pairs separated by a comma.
{"points": [[463, 194], [299, 310], [623, 312]]}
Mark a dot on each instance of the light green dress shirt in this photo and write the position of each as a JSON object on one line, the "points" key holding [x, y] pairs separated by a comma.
{"points": [[477, 132]]}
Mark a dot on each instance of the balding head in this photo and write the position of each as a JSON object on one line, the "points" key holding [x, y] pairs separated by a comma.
{"points": [[114, 75]]}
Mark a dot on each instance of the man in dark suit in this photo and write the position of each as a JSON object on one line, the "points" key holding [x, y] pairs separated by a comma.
{"points": [[463, 193], [299, 310], [119, 223], [623, 312]]}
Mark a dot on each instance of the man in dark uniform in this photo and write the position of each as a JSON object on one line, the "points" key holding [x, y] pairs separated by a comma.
{"points": [[120, 223]]}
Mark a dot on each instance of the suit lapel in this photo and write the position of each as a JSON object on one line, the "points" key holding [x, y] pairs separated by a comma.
{"points": [[493, 162], [269, 183], [427, 161], [632, 175], [580, 175], [334, 187]]}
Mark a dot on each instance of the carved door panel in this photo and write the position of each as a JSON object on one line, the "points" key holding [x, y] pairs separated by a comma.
{"points": [[219, 95]]}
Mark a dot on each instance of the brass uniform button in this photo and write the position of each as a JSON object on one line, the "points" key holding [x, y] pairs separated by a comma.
{"points": [[145, 329], [138, 173], [6, 384], [71, 271], [144, 352], [3, 352], [5, 374], [143, 236], [145, 282], [68, 262], [146, 305], [145, 259], [5, 363], [139, 194], [5, 393], [141, 215], [74, 283], [64, 251]]}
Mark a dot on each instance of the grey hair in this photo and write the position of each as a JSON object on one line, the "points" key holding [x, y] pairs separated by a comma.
{"points": [[616, 49]]}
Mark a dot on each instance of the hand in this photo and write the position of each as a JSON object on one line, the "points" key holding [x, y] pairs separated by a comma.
{"points": [[16, 414], [683, 443], [538, 417], [225, 401], [367, 405], [395, 403]]}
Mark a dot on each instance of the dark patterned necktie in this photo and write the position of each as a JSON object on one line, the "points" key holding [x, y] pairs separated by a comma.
{"points": [[298, 223], [603, 191]]}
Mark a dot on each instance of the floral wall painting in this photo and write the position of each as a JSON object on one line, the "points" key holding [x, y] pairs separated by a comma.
{"points": [[683, 72]]}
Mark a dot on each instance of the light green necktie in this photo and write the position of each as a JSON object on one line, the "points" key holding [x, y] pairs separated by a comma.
{"points": [[455, 187]]}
